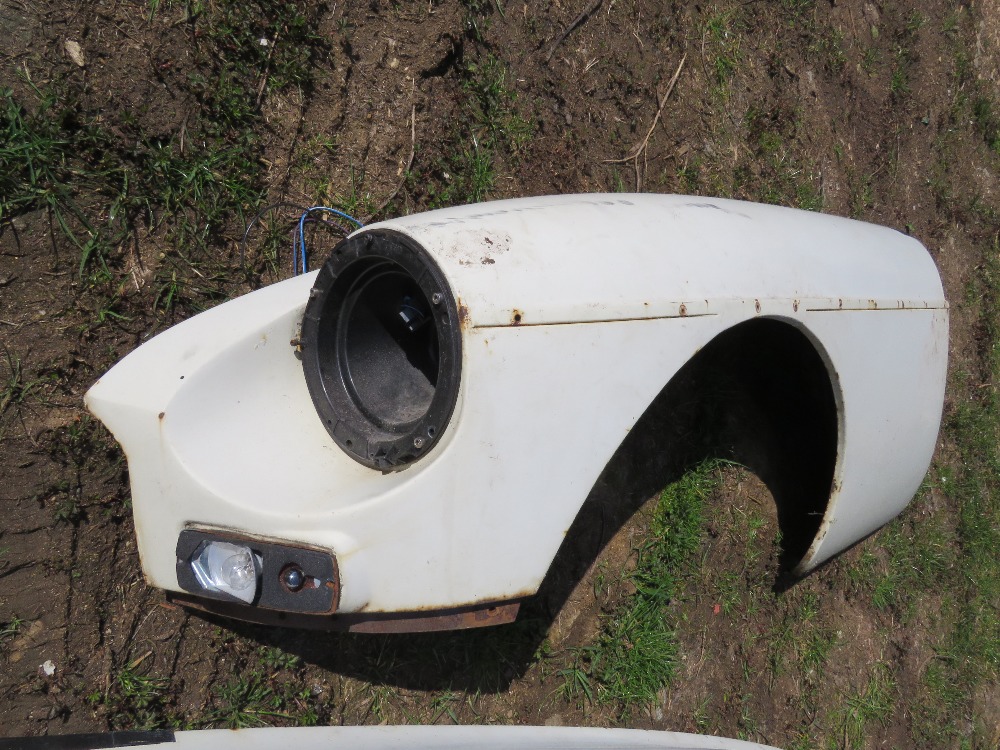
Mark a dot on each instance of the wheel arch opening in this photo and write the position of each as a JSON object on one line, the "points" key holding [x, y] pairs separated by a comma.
{"points": [[763, 394]]}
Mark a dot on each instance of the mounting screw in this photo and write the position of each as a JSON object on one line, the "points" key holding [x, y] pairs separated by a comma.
{"points": [[436, 298], [293, 578], [418, 443]]}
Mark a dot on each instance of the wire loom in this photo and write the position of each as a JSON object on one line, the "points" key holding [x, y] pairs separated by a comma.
{"points": [[300, 262]]}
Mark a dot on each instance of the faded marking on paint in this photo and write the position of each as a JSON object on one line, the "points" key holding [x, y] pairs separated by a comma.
{"points": [[716, 207]]}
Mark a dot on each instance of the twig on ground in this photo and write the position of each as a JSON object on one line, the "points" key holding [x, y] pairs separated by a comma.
{"points": [[584, 15], [409, 163], [640, 149], [267, 69]]}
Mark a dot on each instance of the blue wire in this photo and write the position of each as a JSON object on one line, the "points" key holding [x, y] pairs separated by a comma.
{"points": [[300, 246]]}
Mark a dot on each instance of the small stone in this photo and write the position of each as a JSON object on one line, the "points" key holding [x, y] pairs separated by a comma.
{"points": [[47, 668], [75, 52]]}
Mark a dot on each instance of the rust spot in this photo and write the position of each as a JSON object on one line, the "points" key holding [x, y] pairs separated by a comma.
{"points": [[488, 261], [873, 304], [756, 304], [795, 305], [683, 310], [464, 320], [162, 414], [487, 240], [515, 317]]}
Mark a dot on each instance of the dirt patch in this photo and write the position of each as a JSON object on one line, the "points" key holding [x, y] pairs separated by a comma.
{"points": [[200, 113]]}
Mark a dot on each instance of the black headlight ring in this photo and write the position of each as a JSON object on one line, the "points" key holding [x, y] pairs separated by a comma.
{"points": [[383, 391]]}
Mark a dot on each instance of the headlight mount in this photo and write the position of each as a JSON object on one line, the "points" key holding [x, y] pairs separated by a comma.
{"points": [[381, 349]]}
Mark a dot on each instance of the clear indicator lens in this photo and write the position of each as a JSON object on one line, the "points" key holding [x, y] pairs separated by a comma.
{"points": [[229, 568]]}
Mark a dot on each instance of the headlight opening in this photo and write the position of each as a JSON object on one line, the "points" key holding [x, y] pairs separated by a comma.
{"points": [[381, 349]]}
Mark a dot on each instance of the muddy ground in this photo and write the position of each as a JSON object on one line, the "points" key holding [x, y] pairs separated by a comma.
{"points": [[874, 110]]}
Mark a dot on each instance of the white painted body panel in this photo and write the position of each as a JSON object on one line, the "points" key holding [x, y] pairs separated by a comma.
{"points": [[444, 738], [616, 294]]}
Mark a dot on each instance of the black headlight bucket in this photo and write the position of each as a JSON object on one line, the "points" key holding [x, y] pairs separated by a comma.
{"points": [[381, 349]]}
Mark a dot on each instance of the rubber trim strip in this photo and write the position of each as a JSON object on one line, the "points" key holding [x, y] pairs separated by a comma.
{"points": [[93, 741]]}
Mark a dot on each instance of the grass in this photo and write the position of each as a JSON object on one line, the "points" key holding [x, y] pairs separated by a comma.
{"points": [[873, 703], [940, 563], [575, 682], [800, 641], [635, 655], [783, 179], [724, 30], [494, 134], [135, 699], [244, 702], [48, 159], [11, 628], [59, 159], [258, 698], [142, 698], [973, 647], [381, 699], [987, 119], [494, 104], [15, 388], [917, 553], [103, 187]]}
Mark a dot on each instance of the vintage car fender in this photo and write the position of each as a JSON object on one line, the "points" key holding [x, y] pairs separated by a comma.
{"points": [[412, 429], [387, 738]]}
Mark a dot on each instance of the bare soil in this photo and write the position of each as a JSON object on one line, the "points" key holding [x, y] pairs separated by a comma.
{"points": [[851, 107]]}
